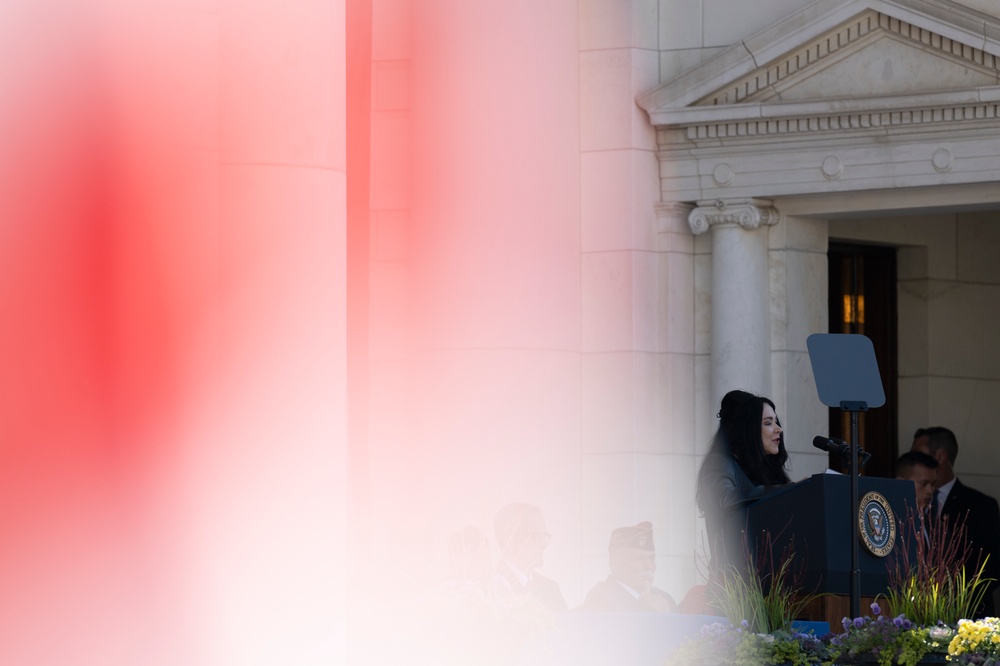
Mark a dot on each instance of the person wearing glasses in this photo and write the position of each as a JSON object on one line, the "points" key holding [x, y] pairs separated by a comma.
{"points": [[521, 537], [745, 461], [629, 588]]}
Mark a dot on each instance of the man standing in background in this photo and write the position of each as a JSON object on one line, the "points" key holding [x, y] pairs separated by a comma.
{"points": [[959, 502]]}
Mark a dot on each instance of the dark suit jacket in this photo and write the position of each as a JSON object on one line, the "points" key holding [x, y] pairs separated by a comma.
{"points": [[545, 589], [981, 514], [724, 493], [610, 596]]}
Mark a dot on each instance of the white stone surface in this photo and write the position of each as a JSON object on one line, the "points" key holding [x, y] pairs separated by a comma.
{"points": [[676, 432], [674, 63], [674, 232], [675, 311], [703, 301], [968, 407], [617, 188], [978, 244], [962, 317], [609, 83], [740, 310], [621, 403], [728, 21], [806, 145], [985, 6], [611, 24], [680, 25]]}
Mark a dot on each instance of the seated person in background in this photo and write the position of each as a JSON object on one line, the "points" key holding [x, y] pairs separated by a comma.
{"points": [[470, 558], [922, 470], [522, 536], [632, 558]]}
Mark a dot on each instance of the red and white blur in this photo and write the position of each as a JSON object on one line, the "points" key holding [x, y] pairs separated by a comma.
{"points": [[298, 298]]}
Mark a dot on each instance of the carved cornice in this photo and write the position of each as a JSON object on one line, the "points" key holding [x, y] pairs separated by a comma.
{"points": [[746, 213], [865, 25], [862, 120]]}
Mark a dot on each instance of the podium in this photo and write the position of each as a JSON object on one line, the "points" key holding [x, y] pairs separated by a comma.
{"points": [[812, 516]]}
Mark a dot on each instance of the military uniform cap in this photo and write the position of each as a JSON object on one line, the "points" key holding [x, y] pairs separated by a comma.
{"points": [[638, 536]]}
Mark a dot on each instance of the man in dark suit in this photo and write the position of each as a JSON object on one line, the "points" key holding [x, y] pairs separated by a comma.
{"points": [[522, 536], [632, 558], [959, 502], [921, 468]]}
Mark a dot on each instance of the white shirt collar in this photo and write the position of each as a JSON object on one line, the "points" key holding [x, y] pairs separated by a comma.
{"points": [[943, 493], [634, 593], [522, 577]]}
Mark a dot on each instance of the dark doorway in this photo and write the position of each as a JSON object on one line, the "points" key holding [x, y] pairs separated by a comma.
{"points": [[863, 300]]}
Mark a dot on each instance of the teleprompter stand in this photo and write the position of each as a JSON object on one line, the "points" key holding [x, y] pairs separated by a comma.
{"points": [[847, 377]]}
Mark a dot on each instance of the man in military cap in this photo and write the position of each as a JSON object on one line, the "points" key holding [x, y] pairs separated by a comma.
{"points": [[632, 558]]}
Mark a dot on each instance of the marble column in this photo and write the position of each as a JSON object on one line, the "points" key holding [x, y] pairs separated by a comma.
{"points": [[741, 321]]}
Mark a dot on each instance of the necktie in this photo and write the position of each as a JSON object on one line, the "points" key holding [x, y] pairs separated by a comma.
{"points": [[935, 508]]}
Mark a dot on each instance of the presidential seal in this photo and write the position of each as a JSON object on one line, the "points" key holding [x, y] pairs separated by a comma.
{"points": [[876, 523]]}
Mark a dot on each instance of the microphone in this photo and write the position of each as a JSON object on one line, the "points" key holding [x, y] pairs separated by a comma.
{"points": [[834, 445]]}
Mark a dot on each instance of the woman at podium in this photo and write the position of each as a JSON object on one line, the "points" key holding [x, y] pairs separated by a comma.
{"points": [[746, 459]]}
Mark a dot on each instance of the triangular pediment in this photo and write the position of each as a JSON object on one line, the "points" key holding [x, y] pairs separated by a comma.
{"points": [[856, 55]]}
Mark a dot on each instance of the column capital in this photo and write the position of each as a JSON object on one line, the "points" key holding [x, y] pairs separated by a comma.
{"points": [[747, 213]]}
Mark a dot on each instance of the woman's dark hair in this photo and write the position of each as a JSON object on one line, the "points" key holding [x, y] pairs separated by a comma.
{"points": [[740, 421]]}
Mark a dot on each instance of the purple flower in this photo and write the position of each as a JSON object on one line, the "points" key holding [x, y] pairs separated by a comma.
{"points": [[846, 622], [875, 609], [859, 622], [745, 624]]}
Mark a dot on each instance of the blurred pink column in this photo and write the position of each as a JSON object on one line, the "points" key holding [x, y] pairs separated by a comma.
{"points": [[495, 258], [274, 532], [172, 465]]}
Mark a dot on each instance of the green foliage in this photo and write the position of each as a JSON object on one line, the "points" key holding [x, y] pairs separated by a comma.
{"points": [[765, 596], [724, 645], [887, 641], [912, 646], [941, 585], [866, 640], [796, 649]]}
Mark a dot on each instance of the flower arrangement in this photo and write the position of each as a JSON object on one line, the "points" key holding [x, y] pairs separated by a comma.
{"points": [[976, 642], [884, 640], [865, 640], [931, 594], [727, 645]]}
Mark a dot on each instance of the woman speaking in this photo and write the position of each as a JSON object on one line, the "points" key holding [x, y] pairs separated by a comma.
{"points": [[746, 459]]}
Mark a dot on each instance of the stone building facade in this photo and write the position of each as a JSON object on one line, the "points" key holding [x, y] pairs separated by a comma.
{"points": [[610, 229]]}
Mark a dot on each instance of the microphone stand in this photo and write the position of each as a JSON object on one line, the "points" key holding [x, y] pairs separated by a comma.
{"points": [[847, 376], [853, 407]]}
